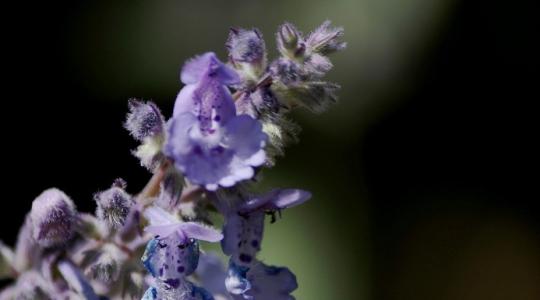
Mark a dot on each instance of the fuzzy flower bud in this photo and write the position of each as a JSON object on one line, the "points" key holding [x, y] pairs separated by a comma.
{"points": [[247, 53], [325, 40], [113, 205], [53, 218], [290, 42], [246, 46], [146, 124], [143, 120], [106, 267]]}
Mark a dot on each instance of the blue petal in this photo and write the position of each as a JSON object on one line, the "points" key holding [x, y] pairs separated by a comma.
{"points": [[150, 294], [271, 283], [149, 252], [236, 281]]}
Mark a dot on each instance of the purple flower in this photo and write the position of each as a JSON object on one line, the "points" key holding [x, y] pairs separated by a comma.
{"points": [[248, 278], [53, 218], [164, 224], [243, 236], [244, 225], [174, 254], [208, 142]]}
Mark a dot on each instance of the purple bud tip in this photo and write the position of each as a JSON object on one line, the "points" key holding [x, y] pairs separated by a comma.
{"points": [[290, 41], [289, 35], [144, 119], [113, 205], [246, 45], [120, 183], [53, 218]]}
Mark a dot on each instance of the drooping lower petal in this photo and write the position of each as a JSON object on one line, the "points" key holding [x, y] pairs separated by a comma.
{"points": [[271, 283], [220, 158]]}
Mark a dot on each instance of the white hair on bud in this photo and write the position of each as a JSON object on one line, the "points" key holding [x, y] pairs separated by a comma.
{"points": [[53, 217]]}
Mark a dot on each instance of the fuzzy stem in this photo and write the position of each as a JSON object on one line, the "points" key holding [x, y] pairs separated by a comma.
{"points": [[152, 187]]}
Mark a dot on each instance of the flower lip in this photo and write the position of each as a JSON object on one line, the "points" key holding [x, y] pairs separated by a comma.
{"points": [[164, 224], [275, 200]]}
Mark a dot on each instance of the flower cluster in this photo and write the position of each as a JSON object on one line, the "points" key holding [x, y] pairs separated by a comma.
{"points": [[229, 123]]}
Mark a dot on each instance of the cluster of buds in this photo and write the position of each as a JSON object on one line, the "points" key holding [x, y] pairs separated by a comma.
{"points": [[229, 123]]}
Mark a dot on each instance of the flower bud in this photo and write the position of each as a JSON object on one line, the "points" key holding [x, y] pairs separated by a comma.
{"points": [[325, 40], [290, 42], [113, 205], [106, 267], [53, 218], [144, 120], [247, 52], [246, 45]]}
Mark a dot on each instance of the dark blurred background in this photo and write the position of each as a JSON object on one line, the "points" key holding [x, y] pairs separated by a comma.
{"points": [[423, 175]]}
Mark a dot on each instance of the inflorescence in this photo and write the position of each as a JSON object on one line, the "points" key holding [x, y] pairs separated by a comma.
{"points": [[229, 123]]}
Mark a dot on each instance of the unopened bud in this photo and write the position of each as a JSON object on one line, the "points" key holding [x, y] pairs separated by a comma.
{"points": [[247, 52], [289, 41], [144, 120], [246, 45], [106, 267], [113, 205], [53, 218]]}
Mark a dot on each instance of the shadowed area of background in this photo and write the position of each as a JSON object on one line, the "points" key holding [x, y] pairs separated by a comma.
{"points": [[419, 174]]}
